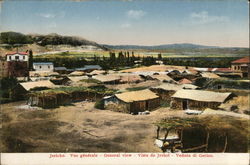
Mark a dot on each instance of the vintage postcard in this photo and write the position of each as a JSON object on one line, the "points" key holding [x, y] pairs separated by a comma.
{"points": [[124, 82]]}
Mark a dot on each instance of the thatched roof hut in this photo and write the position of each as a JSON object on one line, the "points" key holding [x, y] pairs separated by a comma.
{"points": [[20, 91], [138, 101], [201, 95], [141, 95], [198, 99], [30, 85], [108, 79]]}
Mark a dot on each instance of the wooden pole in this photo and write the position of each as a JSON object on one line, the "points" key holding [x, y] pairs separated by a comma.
{"points": [[158, 132], [207, 140], [166, 135], [225, 145]]}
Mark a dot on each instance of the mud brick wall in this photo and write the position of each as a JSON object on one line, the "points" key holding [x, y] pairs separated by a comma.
{"points": [[56, 99], [154, 103], [195, 105]]}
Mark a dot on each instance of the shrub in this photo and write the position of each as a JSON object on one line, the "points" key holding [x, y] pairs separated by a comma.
{"points": [[99, 104], [6, 85], [165, 104], [5, 100]]}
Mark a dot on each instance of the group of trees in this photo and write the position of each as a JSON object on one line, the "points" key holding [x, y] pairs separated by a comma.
{"points": [[14, 38], [208, 62], [128, 59], [114, 61], [6, 85]]}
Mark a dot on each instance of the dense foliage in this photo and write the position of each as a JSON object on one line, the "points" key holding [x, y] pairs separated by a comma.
{"points": [[234, 84], [14, 38], [6, 85], [99, 104], [208, 62]]}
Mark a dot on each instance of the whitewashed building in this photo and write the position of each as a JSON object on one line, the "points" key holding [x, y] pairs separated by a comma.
{"points": [[43, 66], [17, 56]]}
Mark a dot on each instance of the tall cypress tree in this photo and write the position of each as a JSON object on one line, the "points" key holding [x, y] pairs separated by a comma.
{"points": [[30, 59]]}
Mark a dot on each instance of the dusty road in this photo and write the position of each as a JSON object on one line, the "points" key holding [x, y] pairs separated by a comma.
{"points": [[79, 128]]}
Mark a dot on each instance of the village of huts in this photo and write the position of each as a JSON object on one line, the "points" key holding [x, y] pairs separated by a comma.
{"points": [[141, 104], [132, 91]]}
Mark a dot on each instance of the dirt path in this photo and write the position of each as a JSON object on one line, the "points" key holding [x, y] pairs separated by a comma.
{"points": [[80, 128], [218, 112]]}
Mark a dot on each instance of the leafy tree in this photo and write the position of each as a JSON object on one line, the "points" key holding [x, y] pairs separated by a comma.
{"points": [[159, 56], [14, 38], [30, 59]]}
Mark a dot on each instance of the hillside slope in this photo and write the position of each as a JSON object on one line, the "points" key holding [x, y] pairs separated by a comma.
{"points": [[13, 39]]}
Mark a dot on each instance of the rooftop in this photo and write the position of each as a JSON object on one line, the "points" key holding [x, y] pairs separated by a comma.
{"points": [[209, 75], [219, 70], [169, 87], [242, 60], [175, 87], [86, 67], [42, 63], [78, 78], [76, 73], [185, 81], [60, 68], [29, 85], [141, 95], [107, 78], [95, 72], [201, 95], [162, 77], [13, 53]]}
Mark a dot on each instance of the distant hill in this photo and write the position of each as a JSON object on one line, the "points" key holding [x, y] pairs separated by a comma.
{"points": [[14, 38], [161, 47]]}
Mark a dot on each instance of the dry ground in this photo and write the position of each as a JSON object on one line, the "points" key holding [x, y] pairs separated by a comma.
{"points": [[78, 128]]}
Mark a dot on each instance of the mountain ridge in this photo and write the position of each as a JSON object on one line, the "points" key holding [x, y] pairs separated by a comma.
{"points": [[167, 46]]}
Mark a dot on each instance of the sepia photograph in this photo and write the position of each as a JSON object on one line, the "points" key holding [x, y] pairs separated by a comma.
{"points": [[124, 78]]}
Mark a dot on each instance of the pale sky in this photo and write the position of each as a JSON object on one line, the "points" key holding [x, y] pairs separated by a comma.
{"points": [[133, 22]]}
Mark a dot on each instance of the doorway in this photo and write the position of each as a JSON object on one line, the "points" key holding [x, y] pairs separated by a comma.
{"points": [[146, 105], [185, 104]]}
